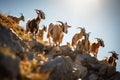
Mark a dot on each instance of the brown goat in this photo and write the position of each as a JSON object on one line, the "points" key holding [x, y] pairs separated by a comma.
{"points": [[17, 19], [78, 36], [55, 31], [84, 45], [33, 25], [95, 46], [112, 59], [41, 32]]}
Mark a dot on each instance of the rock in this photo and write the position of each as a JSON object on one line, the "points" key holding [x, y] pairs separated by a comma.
{"points": [[81, 71], [61, 66], [6, 38], [102, 68], [30, 55], [110, 71], [67, 51], [9, 67], [35, 46], [93, 77], [53, 52], [116, 76]]}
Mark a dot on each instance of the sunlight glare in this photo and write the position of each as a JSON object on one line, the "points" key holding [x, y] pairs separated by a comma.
{"points": [[77, 4]]}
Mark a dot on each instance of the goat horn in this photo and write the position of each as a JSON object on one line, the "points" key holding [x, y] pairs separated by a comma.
{"points": [[101, 39], [61, 22], [98, 39], [89, 33], [43, 25], [65, 22], [112, 52], [105, 57], [36, 9], [21, 14], [79, 27]]}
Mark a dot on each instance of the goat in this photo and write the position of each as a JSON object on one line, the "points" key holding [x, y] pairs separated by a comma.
{"points": [[78, 36], [112, 59], [84, 45], [33, 25], [17, 19], [79, 47], [55, 31], [95, 46], [41, 32]]}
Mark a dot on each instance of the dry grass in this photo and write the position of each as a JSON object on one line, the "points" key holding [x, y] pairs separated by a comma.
{"points": [[8, 22], [5, 50], [19, 30], [27, 71], [26, 67]]}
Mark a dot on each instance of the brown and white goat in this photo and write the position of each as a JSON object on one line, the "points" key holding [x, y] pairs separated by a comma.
{"points": [[95, 46], [112, 59], [77, 37], [84, 45], [17, 19], [32, 26], [56, 32], [41, 32]]}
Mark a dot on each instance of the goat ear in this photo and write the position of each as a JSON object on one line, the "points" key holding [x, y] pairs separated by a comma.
{"points": [[36, 11], [98, 39], [83, 28], [66, 23], [69, 26], [21, 14], [61, 22], [89, 33], [112, 52], [79, 27], [44, 26]]}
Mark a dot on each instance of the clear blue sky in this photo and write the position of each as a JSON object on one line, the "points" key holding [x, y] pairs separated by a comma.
{"points": [[100, 17]]}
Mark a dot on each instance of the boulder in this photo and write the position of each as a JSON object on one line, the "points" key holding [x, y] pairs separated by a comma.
{"points": [[35, 46], [81, 71], [9, 67], [60, 68], [6, 39], [93, 77]]}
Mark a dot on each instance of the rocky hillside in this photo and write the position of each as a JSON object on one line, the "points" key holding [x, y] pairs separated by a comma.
{"points": [[22, 59]]}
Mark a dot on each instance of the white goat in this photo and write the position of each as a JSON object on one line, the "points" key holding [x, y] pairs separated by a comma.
{"points": [[55, 31]]}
